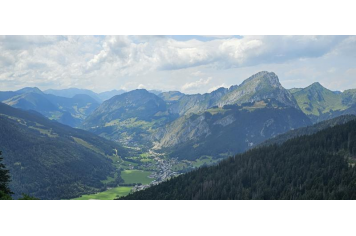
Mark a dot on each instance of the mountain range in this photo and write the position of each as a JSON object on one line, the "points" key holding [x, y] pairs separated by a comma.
{"points": [[139, 127], [229, 121], [69, 111], [71, 92], [172, 122]]}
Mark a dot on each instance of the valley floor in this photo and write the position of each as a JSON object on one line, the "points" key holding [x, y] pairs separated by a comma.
{"points": [[129, 177], [143, 171]]}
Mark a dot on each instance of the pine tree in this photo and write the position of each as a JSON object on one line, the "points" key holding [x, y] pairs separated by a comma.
{"points": [[5, 192]]}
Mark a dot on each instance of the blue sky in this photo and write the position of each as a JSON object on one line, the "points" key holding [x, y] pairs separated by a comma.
{"points": [[191, 64]]}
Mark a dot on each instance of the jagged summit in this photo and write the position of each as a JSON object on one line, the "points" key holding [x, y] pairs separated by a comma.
{"points": [[269, 78], [262, 85]]}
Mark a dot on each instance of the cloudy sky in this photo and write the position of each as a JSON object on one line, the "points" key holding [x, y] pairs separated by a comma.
{"points": [[191, 64]]}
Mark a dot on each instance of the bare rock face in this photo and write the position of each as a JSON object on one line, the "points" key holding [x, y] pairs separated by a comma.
{"points": [[263, 85]]}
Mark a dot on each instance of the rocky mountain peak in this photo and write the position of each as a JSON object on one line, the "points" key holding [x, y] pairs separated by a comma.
{"points": [[265, 77], [260, 86]]}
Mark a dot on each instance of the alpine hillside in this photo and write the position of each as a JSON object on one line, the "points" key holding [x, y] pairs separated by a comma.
{"points": [[49, 160], [321, 104]]}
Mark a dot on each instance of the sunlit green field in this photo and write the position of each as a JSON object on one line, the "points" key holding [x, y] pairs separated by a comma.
{"points": [[108, 194], [130, 177], [136, 176]]}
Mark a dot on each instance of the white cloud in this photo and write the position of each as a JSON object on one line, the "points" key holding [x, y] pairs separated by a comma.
{"points": [[218, 36], [198, 73], [196, 84], [103, 63], [223, 85], [128, 57]]}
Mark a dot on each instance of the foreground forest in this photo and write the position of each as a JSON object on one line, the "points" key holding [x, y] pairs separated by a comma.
{"points": [[320, 166]]}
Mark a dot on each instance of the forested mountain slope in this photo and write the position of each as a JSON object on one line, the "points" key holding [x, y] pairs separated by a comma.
{"points": [[309, 130], [320, 166], [49, 160]]}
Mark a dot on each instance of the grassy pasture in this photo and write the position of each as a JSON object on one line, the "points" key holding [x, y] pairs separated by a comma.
{"points": [[109, 194], [136, 176]]}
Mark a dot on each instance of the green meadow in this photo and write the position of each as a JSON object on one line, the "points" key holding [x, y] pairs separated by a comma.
{"points": [[109, 194], [136, 176], [130, 177]]}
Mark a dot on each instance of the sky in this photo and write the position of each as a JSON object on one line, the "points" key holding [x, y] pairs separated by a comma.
{"points": [[190, 64]]}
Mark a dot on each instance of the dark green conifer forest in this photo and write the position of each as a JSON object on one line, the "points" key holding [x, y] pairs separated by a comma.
{"points": [[320, 166], [5, 192]]}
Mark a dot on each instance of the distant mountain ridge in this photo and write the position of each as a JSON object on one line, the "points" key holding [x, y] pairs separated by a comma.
{"points": [[71, 92], [321, 104], [174, 120], [315, 101], [69, 111], [263, 85]]}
